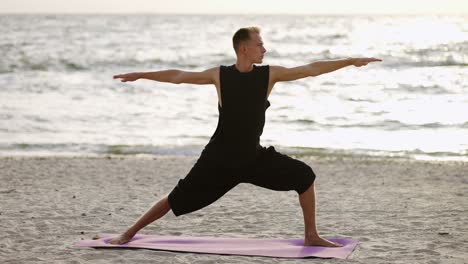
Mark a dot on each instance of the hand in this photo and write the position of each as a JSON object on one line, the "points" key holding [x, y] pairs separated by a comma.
{"points": [[358, 62], [128, 77]]}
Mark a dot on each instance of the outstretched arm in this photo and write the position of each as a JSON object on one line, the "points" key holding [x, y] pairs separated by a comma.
{"points": [[282, 74], [173, 76]]}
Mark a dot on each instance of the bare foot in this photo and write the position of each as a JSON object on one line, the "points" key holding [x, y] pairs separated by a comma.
{"points": [[122, 239], [318, 241]]}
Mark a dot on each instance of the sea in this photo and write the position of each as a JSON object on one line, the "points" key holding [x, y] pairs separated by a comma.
{"points": [[58, 97]]}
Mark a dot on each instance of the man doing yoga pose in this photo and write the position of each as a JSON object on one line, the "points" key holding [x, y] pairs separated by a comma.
{"points": [[234, 155]]}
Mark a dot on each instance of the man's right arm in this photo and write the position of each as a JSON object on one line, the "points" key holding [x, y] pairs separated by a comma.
{"points": [[174, 76]]}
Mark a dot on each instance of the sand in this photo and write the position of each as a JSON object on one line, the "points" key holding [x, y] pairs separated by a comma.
{"points": [[400, 211]]}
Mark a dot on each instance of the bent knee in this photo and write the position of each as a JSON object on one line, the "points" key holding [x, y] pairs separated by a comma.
{"points": [[307, 179], [307, 171]]}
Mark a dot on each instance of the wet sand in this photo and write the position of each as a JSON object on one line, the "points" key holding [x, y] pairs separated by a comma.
{"points": [[400, 211]]}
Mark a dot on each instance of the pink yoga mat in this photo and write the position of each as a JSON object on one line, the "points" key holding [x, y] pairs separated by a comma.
{"points": [[285, 248]]}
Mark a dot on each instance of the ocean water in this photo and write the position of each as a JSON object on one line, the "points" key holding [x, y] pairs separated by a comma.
{"points": [[57, 95]]}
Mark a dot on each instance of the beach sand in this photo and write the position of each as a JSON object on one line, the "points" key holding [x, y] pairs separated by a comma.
{"points": [[400, 211]]}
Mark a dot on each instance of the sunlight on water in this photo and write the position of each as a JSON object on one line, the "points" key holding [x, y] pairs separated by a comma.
{"points": [[58, 95]]}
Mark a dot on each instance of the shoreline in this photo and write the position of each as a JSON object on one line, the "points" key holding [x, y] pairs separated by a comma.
{"points": [[196, 150], [297, 156]]}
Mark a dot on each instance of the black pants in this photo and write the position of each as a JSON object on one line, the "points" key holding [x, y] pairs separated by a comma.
{"points": [[207, 181]]}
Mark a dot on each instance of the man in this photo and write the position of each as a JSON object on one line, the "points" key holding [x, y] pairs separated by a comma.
{"points": [[234, 154]]}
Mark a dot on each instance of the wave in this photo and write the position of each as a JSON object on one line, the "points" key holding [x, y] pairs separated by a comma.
{"points": [[101, 150], [407, 88], [386, 124], [72, 66], [98, 149], [86, 62], [367, 153]]}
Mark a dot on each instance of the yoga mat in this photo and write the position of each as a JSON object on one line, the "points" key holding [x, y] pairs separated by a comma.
{"points": [[286, 248]]}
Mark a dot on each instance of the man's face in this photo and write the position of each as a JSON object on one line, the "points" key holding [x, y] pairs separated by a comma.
{"points": [[254, 48]]}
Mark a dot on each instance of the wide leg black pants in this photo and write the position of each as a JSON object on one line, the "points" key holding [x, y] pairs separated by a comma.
{"points": [[207, 181]]}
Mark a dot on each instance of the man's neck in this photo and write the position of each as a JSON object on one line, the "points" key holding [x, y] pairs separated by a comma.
{"points": [[244, 66]]}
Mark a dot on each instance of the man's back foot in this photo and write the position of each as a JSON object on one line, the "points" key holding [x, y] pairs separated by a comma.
{"points": [[318, 241], [122, 239]]}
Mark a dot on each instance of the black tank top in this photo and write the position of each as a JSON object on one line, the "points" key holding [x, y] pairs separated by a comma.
{"points": [[236, 140]]}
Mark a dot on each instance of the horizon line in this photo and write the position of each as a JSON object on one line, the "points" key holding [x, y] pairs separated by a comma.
{"points": [[245, 14]]}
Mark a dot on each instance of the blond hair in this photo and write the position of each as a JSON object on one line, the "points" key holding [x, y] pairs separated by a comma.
{"points": [[242, 35]]}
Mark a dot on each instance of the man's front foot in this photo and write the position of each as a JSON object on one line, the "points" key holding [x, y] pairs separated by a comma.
{"points": [[318, 241]]}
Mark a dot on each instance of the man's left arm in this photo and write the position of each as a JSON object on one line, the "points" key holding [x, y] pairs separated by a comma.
{"points": [[282, 74]]}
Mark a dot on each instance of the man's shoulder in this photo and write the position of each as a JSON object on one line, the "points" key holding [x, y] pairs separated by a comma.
{"points": [[265, 68], [213, 71]]}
